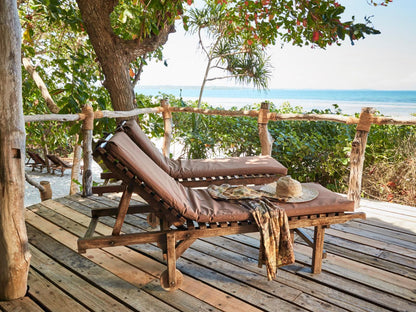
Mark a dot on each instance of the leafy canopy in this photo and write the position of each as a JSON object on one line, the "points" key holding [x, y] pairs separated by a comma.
{"points": [[299, 22]]}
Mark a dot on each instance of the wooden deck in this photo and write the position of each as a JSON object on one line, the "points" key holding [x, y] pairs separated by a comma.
{"points": [[371, 266]]}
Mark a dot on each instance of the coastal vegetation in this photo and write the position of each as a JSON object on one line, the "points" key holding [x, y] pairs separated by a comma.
{"points": [[312, 151]]}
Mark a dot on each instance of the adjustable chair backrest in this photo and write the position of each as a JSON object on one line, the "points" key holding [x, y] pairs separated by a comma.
{"points": [[58, 161], [36, 158], [198, 168], [140, 138], [123, 149]]}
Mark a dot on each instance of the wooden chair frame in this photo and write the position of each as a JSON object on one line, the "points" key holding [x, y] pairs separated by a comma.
{"points": [[176, 234], [193, 182], [58, 164], [39, 162]]}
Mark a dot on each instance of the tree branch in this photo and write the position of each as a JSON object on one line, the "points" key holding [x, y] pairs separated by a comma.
{"points": [[225, 77], [41, 85], [34, 183], [133, 49], [201, 43], [139, 73]]}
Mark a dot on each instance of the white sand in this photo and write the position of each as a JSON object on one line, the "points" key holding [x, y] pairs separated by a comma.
{"points": [[60, 185]]}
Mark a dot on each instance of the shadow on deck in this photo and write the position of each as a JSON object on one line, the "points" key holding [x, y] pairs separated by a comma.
{"points": [[371, 266]]}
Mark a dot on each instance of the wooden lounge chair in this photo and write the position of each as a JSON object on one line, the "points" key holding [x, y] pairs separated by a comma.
{"points": [[203, 172], [187, 214], [38, 161], [58, 163]]}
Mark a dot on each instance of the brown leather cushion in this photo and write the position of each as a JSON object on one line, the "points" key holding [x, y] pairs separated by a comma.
{"points": [[190, 168], [122, 148], [211, 210], [197, 204], [198, 168], [134, 131], [326, 202]]}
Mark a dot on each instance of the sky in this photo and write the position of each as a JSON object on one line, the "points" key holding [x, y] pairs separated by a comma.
{"points": [[379, 62]]}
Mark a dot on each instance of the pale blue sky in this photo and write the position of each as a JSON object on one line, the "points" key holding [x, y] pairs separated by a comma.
{"points": [[384, 62]]}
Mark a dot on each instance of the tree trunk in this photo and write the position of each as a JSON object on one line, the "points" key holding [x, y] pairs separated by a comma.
{"points": [[14, 254], [114, 53]]}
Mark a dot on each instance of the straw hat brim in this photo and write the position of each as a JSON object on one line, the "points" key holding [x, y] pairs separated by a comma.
{"points": [[308, 193]]}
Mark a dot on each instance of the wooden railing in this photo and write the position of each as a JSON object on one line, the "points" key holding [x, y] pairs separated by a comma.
{"points": [[263, 116]]}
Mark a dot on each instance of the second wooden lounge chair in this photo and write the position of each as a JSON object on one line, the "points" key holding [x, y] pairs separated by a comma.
{"points": [[187, 214], [58, 164], [38, 161]]}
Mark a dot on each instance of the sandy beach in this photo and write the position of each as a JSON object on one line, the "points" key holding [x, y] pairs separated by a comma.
{"points": [[60, 185]]}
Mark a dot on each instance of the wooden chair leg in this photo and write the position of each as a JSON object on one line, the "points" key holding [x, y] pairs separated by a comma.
{"points": [[164, 226], [292, 236], [172, 278], [308, 240], [123, 207], [318, 247], [170, 244]]}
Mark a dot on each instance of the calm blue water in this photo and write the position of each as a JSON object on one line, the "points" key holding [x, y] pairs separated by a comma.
{"points": [[393, 103]]}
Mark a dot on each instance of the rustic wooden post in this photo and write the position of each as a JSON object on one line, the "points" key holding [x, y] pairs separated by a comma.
{"points": [[14, 252], [44, 187], [266, 140], [358, 154], [47, 190], [46, 152], [167, 123], [74, 188], [87, 129]]}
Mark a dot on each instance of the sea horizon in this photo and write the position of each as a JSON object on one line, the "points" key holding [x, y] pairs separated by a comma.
{"points": [[350, 101]]}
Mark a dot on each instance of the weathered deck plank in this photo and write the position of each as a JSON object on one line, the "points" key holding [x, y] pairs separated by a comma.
{"points": [[50, 296], [371, 266], [24, 304], [72, 284], [110, 261]]}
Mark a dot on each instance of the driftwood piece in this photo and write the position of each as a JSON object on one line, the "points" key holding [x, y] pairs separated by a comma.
{"points": [[34, 183], [97, 115], [220, 112], [167, 122], [358, 153], [131, 113], [266, 140], [44, 187], [343, 119]]}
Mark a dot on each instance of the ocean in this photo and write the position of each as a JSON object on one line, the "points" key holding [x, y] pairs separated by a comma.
{"points": [[388, 103]]}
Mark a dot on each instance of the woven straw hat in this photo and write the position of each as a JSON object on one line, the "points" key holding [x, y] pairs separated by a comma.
{"points": [[290, 190]]}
